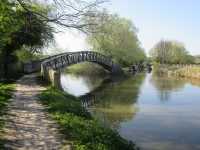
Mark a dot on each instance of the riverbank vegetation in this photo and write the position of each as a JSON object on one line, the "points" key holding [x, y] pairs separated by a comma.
{"points": [[185, 71], [77, 124], [117, 38], [171, 58], [5, 94]]}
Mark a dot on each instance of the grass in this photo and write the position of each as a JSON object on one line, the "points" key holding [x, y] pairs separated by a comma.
{"points": [[86, 68], [78, 125], [5, 94]]}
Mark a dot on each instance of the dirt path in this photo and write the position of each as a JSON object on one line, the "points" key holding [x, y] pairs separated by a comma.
{"points": [[28, 126]]}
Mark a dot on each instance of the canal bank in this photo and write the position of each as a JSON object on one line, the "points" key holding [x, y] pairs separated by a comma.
{"points": [[182, 71]]}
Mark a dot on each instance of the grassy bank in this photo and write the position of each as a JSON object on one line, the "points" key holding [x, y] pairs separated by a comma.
{"points": [[186, 71], [5, 94], [81, 129], [87, 68]]}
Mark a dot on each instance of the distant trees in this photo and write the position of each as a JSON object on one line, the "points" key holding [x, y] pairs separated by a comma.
{"points": [[170, 52], [117, 38]]}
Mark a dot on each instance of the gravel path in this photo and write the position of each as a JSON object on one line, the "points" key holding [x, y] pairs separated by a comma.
{"points": [[28, 126]]}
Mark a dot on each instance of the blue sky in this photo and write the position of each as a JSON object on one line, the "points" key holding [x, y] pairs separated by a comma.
{"points": [[155, 19], [162, 19]]}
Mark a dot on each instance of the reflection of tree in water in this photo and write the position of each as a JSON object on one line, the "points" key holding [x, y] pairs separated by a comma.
{"points": [[193, 81], [166, 85], [114, 115], [113, 102]]}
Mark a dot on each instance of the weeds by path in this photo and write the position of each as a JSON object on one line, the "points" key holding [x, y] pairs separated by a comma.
{"points": [[5, 94]]}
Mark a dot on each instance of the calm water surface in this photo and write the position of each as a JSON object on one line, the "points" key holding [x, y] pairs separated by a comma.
{"points": [[157, 113]]}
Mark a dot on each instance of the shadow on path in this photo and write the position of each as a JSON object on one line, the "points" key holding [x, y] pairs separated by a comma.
{"points": [[28, 126]]}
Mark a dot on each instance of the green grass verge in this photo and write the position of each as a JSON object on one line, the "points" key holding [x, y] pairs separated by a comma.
{"points": [[87, 68], [5, 94], [80, 128]]}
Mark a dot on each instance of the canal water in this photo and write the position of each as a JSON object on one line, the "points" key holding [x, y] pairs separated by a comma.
{"points": [[156, 113]]}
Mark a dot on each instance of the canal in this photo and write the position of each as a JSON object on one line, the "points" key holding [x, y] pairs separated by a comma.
{"points": [[155, 112]]}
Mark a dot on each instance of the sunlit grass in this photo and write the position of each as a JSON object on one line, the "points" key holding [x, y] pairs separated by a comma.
{"points": [[86, 68]]}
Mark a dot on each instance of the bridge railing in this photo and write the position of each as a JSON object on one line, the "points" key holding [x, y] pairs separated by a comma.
{"points": [[50, 67], [65, 59]]}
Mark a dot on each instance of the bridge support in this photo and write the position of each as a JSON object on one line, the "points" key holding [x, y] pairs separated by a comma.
{"points": [[116, 70], [52, 76]]}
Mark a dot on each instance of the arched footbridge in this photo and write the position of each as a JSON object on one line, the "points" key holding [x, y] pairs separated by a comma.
{"points": [[51, 66]]}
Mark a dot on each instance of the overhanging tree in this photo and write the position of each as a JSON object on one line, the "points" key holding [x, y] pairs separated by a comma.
{"points": [[66, 13]]}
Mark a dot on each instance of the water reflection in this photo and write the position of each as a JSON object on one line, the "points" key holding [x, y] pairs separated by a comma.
{"points": [[114, 102], [80, 85], [165, 85], [158, 113]]}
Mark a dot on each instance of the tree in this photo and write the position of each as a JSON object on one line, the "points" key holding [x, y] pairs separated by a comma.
{"points": [[116, 38], [170, 52], [20, 28], [65, 13]]}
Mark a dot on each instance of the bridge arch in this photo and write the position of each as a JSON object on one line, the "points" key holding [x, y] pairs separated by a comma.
{"points": [[50, 67]]}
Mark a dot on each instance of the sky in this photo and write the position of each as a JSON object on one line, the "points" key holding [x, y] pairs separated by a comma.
{"points": [[155, 20]]}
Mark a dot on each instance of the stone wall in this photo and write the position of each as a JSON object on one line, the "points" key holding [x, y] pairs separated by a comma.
{"points": [[52, 76]]}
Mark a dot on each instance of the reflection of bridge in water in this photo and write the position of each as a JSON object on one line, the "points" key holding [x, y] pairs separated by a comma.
{"points": [[88, 100], [91, 98], [114, 100]]}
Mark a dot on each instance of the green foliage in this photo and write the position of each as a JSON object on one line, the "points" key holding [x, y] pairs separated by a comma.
{"points": [[117, 38], [23, 55], [5, 95], [8, 21], [84, 132], [87, 68], [18, 28], [197, 59], [170, 52]]}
